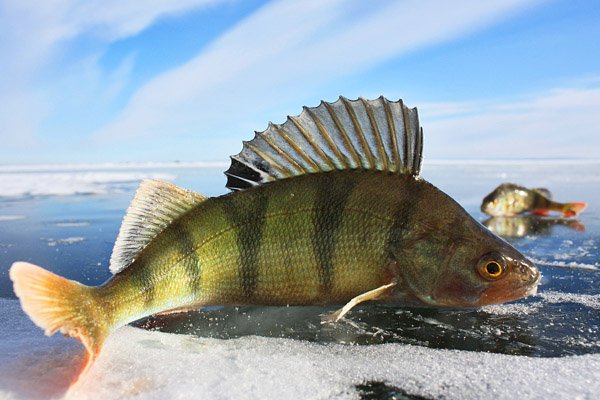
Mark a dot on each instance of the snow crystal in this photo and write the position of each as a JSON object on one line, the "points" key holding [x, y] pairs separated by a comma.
{"points": [[588, 300]]}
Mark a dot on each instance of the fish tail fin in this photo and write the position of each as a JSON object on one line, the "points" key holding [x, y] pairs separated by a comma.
{"points": [[58, 304], [573, 209]]}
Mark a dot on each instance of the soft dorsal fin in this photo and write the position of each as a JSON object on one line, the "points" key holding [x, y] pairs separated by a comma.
{"points": [[155, 205], [379, 135]]}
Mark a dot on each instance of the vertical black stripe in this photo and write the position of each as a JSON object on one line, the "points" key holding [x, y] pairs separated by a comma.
{"points": [[186, 246], [405, 215], [330, 201], [247, 212]]}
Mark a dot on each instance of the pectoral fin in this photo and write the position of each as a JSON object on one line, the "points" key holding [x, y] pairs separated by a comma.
{"points": [[178, 311], [370, 295]]}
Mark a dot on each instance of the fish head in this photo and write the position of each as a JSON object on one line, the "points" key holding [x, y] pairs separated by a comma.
{"points": [[489, 272], [506, 200], [451, 260]]}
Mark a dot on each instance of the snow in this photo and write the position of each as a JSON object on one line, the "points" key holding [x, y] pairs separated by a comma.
{"points": [[588, 300], [64, 241], [67, 183], [109, 166], [71, 224], [11, 217], [156, 365], [563, 264], [69, 179]]}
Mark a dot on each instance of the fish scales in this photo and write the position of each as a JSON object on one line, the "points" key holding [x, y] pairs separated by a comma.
{"points": [[311, 240], [326, 208]]}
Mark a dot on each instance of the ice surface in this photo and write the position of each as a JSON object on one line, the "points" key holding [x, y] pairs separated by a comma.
{"points": [[71, 224], [67, 183], [63, 241], [109, 166], [217, 355], [588, 300], [11, 217], [565, 264], [156, 365]]}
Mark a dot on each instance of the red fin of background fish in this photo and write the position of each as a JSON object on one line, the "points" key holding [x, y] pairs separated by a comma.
{"points": [[573, 209], [541, 211]]}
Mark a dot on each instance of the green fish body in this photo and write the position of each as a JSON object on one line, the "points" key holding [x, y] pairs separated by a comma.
{"points": [[327, 208]]}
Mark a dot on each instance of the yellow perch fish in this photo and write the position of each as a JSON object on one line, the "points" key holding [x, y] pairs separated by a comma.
{"points": [[327, 208], [509, 199]]}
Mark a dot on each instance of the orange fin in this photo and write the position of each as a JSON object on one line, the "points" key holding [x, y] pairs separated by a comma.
{"points": [[573, 209], [541, 211], [58, 304]]}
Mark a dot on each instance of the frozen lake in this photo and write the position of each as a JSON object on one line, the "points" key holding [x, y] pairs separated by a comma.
{"points": [[66, 218]]}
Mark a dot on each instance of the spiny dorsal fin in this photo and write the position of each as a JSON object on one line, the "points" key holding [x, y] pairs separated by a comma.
{"points": [[363, 134], [155, 205]]}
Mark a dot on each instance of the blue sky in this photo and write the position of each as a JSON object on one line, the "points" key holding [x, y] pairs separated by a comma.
{"points": [[97, 81]]}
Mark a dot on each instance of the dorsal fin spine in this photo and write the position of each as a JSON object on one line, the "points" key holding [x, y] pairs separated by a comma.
{"points": [[334, 148], [392, 127], [272, 162], [419, 158], [283, 155], [314, 165], [310, 141], [360, 134], [338, 124], [297, 149], [376, 135], [380, 148], [407, 140]]}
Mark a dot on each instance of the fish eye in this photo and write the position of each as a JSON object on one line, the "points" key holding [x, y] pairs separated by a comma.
{"points": [[491, 266]]}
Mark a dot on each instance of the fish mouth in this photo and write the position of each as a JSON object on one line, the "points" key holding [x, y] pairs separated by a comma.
{"points": [[526, 286], [533, 284]]}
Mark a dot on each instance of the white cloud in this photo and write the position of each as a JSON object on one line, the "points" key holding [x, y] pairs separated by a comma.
{"points": [[33, 34], [562, 122], [285, 49]]}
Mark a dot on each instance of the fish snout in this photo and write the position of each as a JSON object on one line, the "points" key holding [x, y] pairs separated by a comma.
{"points": [[530, 274]]}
